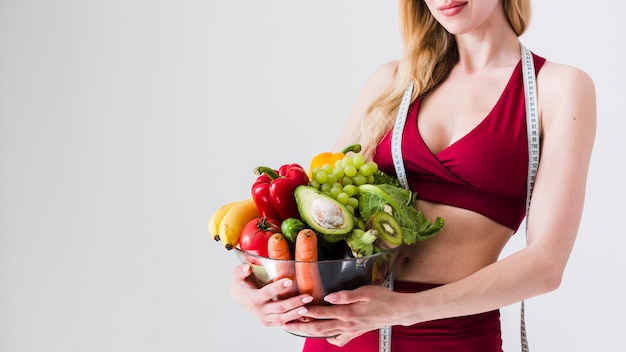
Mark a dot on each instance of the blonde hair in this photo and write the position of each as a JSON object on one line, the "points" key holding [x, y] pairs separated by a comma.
{"points": [[429, 54]]}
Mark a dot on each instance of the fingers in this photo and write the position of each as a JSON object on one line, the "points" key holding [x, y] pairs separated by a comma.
{"points": [[274, 304], [336, 332], [242, 271], [244, 284], [282, 288], [343, 297], [314, 328], [361, 294], [280, 312], [339, 340]]}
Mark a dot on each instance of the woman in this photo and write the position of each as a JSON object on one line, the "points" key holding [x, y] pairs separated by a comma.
{"points": [[465, 152]]}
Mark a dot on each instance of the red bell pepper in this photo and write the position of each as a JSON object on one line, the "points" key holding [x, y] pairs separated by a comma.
{"points": [[273, 190]]}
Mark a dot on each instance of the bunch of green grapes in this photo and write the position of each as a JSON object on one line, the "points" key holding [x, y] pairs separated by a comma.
{"points": [[341, 180]]}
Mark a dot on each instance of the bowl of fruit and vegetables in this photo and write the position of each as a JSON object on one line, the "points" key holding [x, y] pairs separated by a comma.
{"points": [[337, 226]]}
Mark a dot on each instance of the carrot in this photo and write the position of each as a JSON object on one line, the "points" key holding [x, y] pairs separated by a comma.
{"points": [[278, 249], [307, 272]]}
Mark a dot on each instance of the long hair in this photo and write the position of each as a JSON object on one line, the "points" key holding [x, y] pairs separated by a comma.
{"points": [[429, 54]]}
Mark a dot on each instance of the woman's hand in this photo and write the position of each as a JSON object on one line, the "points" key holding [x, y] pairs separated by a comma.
{"points": [[351, 314], [264, 302]]}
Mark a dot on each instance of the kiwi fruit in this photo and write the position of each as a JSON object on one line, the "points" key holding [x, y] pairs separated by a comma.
{"points": [[387, 228]]}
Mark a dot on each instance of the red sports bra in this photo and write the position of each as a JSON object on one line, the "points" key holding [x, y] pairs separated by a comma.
{"points": [[485, 171]]}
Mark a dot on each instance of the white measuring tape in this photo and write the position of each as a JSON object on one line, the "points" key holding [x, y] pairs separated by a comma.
{"points": [[384, 333], [396, 137], [534, 138], [532, 125]]}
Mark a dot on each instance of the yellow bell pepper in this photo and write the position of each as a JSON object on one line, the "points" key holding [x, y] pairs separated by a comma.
{"points": [[330, 158]]}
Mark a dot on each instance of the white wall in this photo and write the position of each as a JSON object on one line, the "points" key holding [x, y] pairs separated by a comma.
{"points": [[121, 125]]}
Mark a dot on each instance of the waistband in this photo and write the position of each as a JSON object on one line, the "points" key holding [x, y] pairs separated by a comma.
{"points": [[410, 286], [487, 323]]}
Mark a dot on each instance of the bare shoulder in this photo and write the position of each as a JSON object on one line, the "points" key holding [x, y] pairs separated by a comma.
{"points": [[565, 91], [377, 83], [567, 105], [556, 74], [381, 79]]}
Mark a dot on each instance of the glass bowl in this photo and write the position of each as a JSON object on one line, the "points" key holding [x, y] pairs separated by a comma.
{"points": [[336, 274]]}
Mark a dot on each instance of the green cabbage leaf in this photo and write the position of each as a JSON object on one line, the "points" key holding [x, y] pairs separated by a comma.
{"points": [[400, 203]]}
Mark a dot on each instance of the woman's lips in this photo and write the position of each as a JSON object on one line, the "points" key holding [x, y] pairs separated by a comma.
{"points": [[452, 8]]}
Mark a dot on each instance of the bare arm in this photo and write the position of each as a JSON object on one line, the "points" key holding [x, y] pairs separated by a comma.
{"points": [[568, 109]]}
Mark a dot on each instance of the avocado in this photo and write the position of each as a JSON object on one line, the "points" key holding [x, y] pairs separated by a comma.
{"points": [[322, 213]]}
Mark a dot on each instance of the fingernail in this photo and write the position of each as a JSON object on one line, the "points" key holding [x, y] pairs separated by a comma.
{"points": [[302, 311], [245, 268], [330, 298], [287, 283], [307, 299]]}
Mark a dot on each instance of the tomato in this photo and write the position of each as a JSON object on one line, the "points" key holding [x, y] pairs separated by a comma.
{"points": [[256, 233]]}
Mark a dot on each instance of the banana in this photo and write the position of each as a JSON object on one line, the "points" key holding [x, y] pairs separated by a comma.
{"points": [[216, 219], [234, 221]]}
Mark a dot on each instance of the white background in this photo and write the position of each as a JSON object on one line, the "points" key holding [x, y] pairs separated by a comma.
{"points": [[125, 123]]}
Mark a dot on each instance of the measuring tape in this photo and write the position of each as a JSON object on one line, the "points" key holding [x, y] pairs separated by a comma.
{"points": [[534, 137], [396, 137], [384, 333], [532, 125]]}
